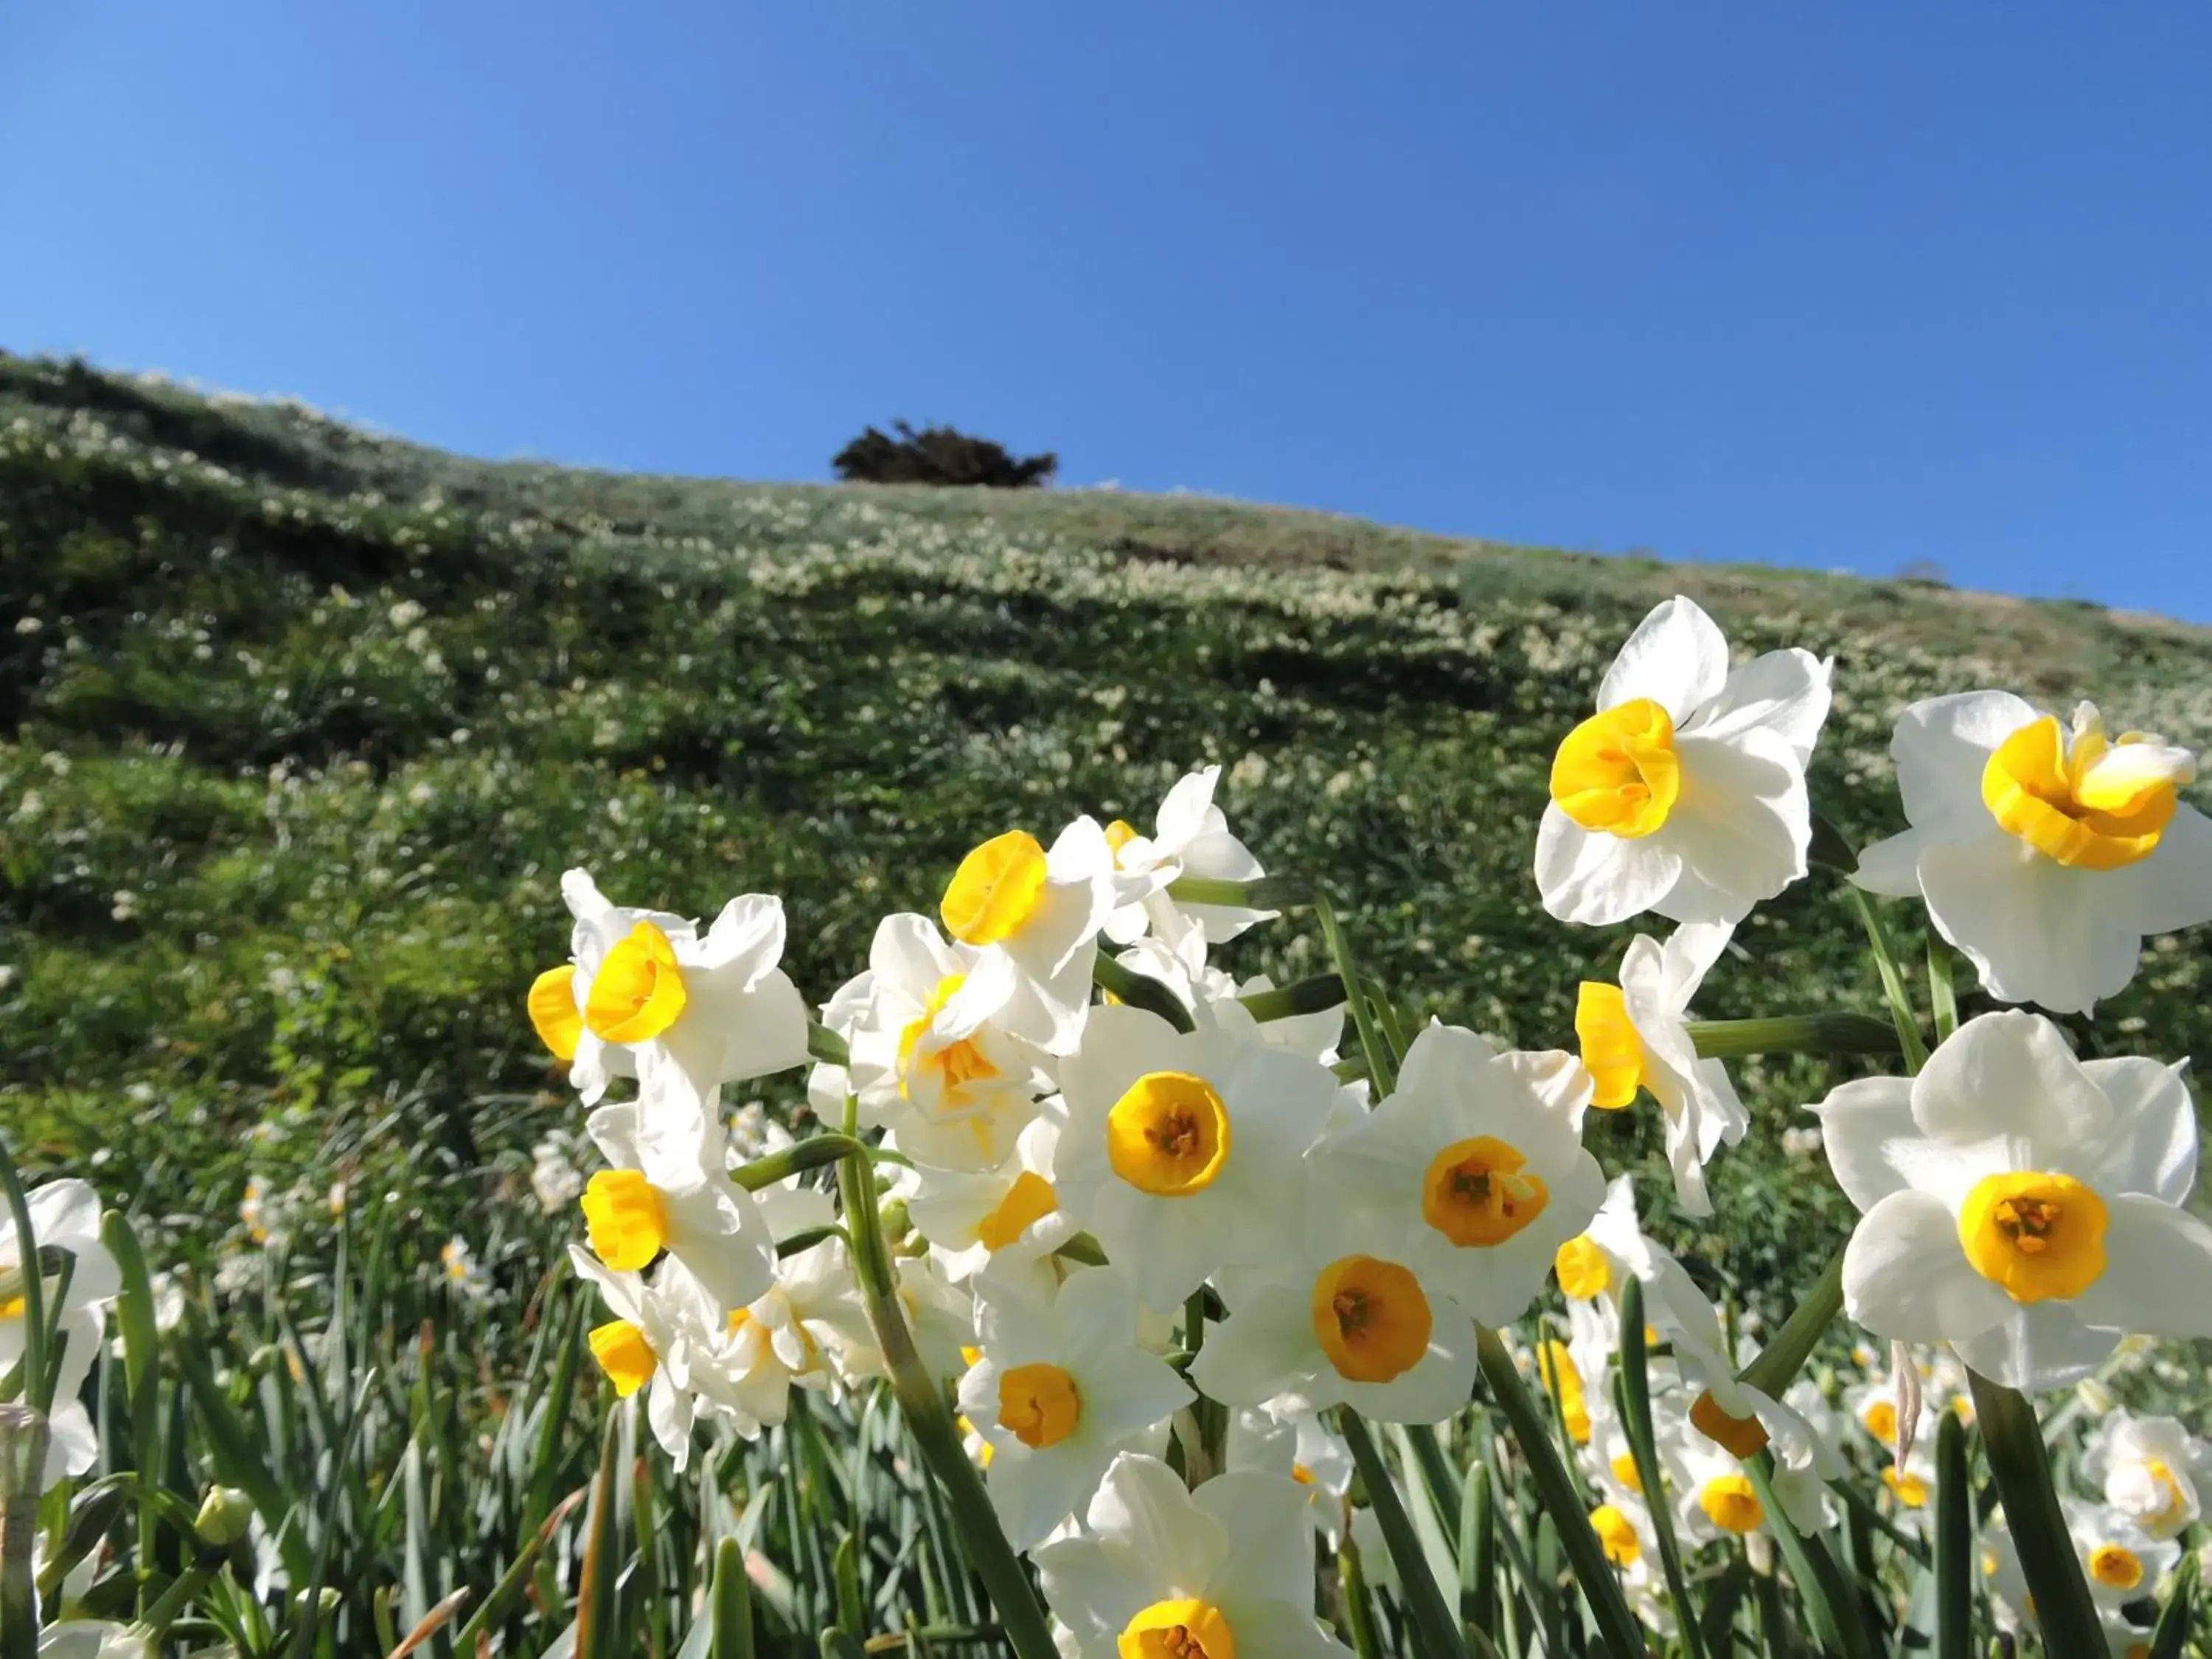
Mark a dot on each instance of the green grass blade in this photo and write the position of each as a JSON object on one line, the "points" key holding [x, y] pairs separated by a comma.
{"points": [[1439, 1632], [326, 1528], [1954, 1542], [2172, 1632], [2014, 1444], [1634, 1383], [1477, 1552], [596, 1594], [236, 1461], [1555, 1491], [731, 1603]]}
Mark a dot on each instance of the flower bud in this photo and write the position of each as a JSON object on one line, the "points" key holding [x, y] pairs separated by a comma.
{"points": [[2096, 1398], [225, 1515]]}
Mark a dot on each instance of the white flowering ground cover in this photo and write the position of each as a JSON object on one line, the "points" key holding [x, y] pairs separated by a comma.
{"points": [[408, 1317]]}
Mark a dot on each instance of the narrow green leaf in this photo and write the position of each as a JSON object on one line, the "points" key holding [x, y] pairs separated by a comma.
{"points": [[596, 1633], [1954, 1542], [847, 1568], [2013, 1445], [1382, 1076], [1555, 1490], [1776, 1365], [732, 1604], [1358, 1606], [326, 1529], [1439, 1632], [2173, 1620], [1634, 1383], [1834, 1033], [1317, 995], [1478, 1552], [1829, 1605], [1942, 993], [29, 1284], [236, 1461], [1911, 1043]]}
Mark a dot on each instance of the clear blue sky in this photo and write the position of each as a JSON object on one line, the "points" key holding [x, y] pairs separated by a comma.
{"points": [[1837, 284]]}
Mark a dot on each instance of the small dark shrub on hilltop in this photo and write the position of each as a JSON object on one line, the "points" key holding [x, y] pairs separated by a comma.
{"points": [[939, 455]]}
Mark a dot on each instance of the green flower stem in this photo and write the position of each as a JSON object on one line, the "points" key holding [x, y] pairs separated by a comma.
{"points": [[1382, 1073], [1555, 1490], [1268, 893], [1794, 1034], [1634, 1383], [1317, 995], [29, 1284], [810, 1154], [1954, 1543], [1126, 984], [825, 1045], [923, 1403], [1777, 1363], [23, 1466], [1830, 1605], [2173, 1620], [1910, 1041], [1438, 1630], [2022, 1467]]}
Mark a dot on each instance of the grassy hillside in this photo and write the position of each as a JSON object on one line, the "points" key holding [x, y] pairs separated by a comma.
{"points": [[302, 725]]}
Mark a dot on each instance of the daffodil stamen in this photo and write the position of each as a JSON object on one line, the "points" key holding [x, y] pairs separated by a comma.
{"points": [[1372, 1318], [1169, 1135], [1184, 1628], [1476, 1192], [1039, 1405], [2092, 804], [2037, 1236], [1731, 1503]]}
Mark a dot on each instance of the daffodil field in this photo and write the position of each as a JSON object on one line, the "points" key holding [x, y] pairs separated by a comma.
{"points": [[835, 1078]]}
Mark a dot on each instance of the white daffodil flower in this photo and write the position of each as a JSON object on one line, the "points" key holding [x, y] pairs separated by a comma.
{"points": [[1042, 911], [2021, 1205], [1334, 1320], [658, 1331], [1635, 1034], [1715, 1499], [1190, 838], [1298, 1444], [1623, 1526], [670, 1190], [1060, 1390], [1183, 1152], [798, 1332], [65, 1216], [1164, 1573], [648, 992], [2045, 853], [1685, 793], [1594, 1266], [2152, 1470], [1006, 1221], [1477, 1159], [2122, 1561], [945, 1053]]}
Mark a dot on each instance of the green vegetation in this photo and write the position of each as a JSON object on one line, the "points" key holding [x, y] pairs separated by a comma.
{"points": [[303, 725]]}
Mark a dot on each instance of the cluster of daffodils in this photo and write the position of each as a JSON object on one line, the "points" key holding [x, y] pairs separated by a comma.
{"points": [[1157, 1241]]}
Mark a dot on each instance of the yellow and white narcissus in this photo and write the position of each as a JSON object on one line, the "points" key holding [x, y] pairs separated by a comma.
{"points": [[670, 1190], [2044, 851], [2151, 1468], [1635, 1036], [944, 1052], [1004, 1222], [2020, 1204], [65, 1216], [1183, 1152], [1476, 1163], [648, 996], [1214, 998], [2121, 1562], [1341, 1317], [1164, 1573], [1062, 1387], [1190, 838], [1685, 793], [1596, 1266], [1041, 910], [658, 1331]]}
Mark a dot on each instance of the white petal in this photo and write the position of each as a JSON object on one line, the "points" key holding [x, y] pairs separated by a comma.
{"points": [[2158, 1271], [2011, 1074], [1676, 657], [1868, 1132], [1892, 868], [1267, 1346], [1786, 692], [1183, 814], [1271, 1551], [2038, 1345], [1033, 1492], [1941, 748], [909, 954], [2037, 931], [746, 937], [1283, 1630], [1688, 956], [2151, 1146], [1906, 1275], [1095, 1587], [1742, 826], [2172, 888], [1143, 1504], [1593, 879]]}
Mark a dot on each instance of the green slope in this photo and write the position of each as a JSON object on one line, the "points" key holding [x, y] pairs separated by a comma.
{"points": [[333, 712]]}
